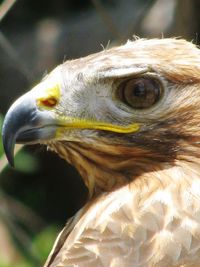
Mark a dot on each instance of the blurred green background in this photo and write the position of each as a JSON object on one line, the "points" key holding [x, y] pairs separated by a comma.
{"points": [[43, 191]]}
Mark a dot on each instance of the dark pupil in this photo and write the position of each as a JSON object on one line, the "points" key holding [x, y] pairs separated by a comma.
{"points": [[139, 90]]}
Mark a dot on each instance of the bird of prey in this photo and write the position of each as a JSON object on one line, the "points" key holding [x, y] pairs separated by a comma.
{"points": [[128, 118]]}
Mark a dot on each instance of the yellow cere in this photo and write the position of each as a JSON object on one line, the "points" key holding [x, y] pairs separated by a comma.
{"points": [[49, 97], [69, 123]]}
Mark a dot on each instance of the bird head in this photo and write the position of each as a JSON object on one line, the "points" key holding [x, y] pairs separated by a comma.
{"points": [[115, 114]]}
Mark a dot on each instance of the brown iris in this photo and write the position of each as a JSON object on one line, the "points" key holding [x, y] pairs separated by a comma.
{"points": [[140, 93]]}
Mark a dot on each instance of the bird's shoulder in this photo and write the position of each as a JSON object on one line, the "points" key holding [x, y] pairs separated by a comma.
{"points": [[143, 225]]}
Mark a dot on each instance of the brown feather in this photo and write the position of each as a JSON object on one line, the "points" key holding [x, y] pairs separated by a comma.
{"points": [[144, 207]]}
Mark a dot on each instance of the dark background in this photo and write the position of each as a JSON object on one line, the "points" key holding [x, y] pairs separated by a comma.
{"points": [[35, 36]]}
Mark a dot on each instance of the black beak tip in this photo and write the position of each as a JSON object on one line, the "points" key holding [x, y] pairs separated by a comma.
{"points": [[10, 158], [8, 144]]}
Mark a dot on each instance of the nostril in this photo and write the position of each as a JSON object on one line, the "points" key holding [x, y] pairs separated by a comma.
{"points": [[48, 102], [47, 94]]}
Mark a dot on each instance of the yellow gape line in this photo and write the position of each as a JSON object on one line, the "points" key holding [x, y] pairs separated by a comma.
{"points": [[86, 124]]}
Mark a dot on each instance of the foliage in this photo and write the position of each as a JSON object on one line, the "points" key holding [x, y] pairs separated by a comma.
{"points": [[21, 264], [25, 162], [41, 246], [1, 145], [41, 243]]}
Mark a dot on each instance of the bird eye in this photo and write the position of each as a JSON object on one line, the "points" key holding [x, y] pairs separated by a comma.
{"points": [[140, 93]]}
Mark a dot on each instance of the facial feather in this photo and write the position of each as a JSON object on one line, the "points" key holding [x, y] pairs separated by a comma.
{"points": [[171, 126]]}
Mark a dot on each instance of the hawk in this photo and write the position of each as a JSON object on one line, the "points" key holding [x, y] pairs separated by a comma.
{"points": [[128, 118]]}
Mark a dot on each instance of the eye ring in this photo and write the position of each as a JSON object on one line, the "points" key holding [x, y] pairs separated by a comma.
{"points": [[140, 93]]}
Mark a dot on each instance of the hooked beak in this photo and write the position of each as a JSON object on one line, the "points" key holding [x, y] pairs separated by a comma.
{"points": [[33, 119], [24, 123]]}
